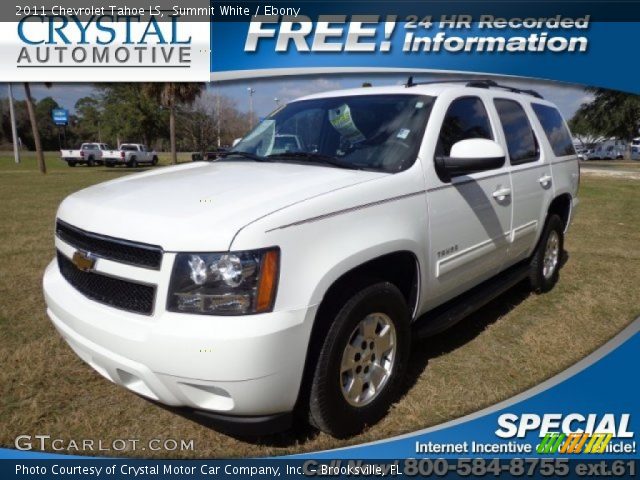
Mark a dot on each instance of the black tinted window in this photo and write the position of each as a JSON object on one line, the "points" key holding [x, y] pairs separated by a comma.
{"points": [[555, 129], [466, 118], [521, 141]]}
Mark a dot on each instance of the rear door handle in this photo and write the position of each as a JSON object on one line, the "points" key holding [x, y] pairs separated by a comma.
{"points": [[502, 193], [545, 180]]}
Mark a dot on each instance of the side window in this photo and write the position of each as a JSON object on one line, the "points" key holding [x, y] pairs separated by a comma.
{"points": [[521, 141], [555, 130], [466, 118]]}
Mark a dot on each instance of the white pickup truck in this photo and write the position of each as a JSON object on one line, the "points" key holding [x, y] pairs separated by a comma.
{"points": [[130, 155], [89, 154], [267, 283]]}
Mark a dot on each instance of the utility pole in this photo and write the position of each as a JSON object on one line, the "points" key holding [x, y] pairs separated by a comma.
{"points": [[14, 130], [251, 92], [218, 114]]}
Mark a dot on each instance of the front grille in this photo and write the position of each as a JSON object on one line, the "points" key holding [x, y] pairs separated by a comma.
{"points": [[139, 254], [115, 292]]}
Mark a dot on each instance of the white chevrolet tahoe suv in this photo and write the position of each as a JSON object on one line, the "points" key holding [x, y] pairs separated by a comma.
{"points": [[262, 284]]}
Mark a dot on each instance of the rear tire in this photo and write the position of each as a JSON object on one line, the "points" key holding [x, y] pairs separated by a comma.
{"points": [[545, 263], [133, 163], [154, 162], [71, 164], [362, 361]]}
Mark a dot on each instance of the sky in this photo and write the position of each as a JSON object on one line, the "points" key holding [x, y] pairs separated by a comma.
{"points": [[567, 97]]}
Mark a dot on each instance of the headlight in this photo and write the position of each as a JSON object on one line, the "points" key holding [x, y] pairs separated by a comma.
{"points": [[232, 283]]}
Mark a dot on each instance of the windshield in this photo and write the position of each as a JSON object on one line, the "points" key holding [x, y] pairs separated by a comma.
{"points": [[378, 132]]}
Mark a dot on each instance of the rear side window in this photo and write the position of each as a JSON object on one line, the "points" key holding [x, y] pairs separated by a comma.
{"points": [[466, 118], [521, 141], [555, 129]]}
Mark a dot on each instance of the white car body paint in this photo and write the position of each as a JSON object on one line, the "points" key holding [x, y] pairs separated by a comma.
{"points": [[326, 221]]}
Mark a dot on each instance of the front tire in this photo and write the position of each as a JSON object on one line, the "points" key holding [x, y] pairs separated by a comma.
{"points": [[545, 263], [362, 361]]}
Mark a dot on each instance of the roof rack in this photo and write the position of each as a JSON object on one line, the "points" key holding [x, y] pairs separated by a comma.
{"points": [[480, 83]]}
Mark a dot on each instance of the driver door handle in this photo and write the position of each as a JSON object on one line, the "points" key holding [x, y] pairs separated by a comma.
{"points": [[545, 180], [502, 193]]}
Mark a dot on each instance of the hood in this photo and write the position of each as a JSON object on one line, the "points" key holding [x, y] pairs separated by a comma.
{"points": [[199, 206]]}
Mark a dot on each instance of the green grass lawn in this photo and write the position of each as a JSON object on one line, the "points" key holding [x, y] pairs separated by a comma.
{"points": [[632, 165], [52, 159], [515, 342]]}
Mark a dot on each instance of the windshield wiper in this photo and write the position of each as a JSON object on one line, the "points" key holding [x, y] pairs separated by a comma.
{"points": [[250, 156], [315, 158]]}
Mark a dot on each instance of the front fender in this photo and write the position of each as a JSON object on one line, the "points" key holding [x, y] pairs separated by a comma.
{"points": [[323, 238]]}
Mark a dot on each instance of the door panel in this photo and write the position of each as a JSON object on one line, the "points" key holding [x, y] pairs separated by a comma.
{"points": [[530, 176], [469, 231], [470, 216], [530, 186]]}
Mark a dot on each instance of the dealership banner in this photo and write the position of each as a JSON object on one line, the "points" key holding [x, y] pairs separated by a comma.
{"points": [[198, 41], [581, 422]]}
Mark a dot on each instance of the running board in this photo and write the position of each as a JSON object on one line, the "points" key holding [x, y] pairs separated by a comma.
{"points": [[451, 312]]}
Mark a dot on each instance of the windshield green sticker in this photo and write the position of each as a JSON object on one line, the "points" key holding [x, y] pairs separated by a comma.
{"points": [[340, 118]]}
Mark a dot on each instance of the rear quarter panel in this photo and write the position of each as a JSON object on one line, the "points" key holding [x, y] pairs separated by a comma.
{"points": [[565, 169]]}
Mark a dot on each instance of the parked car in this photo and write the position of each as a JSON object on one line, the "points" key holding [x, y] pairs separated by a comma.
{"points": [[582, 153], [608, 150], [211, 155], [89, 154], [286, 143], [263, 283], [130, 155]]}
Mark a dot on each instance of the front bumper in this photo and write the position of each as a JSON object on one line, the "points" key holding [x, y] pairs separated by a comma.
{"points": [[237, 366]]}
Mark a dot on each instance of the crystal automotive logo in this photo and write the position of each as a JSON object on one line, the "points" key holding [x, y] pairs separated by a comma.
{"points": [[102, 41]]}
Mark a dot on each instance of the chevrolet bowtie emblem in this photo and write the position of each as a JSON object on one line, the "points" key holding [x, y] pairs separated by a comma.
{"points": [[83, 260]]}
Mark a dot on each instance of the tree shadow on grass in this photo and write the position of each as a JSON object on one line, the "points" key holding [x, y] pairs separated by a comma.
{"points": [[423, 351]]}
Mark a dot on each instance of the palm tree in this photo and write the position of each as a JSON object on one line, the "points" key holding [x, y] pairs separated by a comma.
{"points": [[171, 95], [34, 127], [611, 114]]}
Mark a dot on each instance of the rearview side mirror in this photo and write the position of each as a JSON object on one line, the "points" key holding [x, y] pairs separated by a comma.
{"points": [[470, 156]]}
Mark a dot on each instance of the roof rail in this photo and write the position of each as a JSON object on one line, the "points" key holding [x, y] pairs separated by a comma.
{"points": [[479, 83]]}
